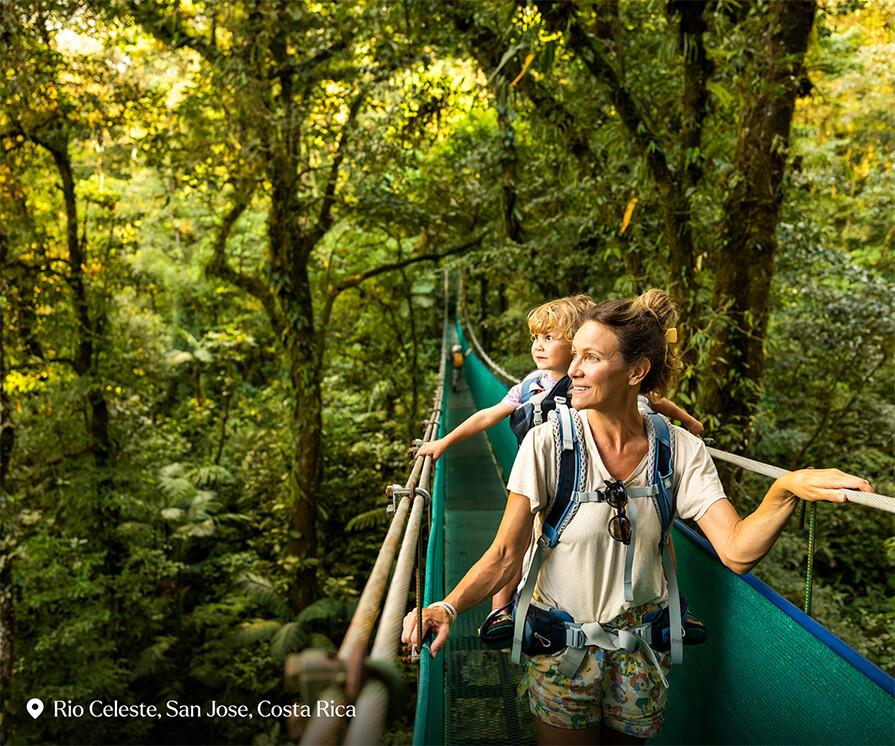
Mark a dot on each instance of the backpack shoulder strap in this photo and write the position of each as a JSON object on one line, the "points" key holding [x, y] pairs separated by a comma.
{"points": [[663, 470], [663, 478], [571, 475], [530, 385]]}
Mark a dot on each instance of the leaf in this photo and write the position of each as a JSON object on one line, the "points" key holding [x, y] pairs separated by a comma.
{"points": [[200, 530], [319, 640], [528, 61], [178, 357], [629, 211], [368, 519], [205, 476], [507, 56], [173, 514], [261, 590], [325, 609], [290, 638], [152, 656], [176, 489], [255, 631]]}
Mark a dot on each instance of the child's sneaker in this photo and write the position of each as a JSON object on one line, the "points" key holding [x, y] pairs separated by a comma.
{"points": [[497, 628]]}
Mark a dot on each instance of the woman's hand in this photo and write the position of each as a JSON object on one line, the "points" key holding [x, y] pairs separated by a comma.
{"points": [[434, 447], [436, 620], [822, 484]]}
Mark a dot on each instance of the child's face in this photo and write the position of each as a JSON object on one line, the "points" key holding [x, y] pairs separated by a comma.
{"points": [[551, 352]]}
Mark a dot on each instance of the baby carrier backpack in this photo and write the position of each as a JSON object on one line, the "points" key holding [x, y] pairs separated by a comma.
{"points": [[539, 629], [537, 403]]}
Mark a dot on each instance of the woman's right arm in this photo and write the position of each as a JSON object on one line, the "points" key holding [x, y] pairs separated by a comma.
{"points": [[472, 425], [491, 573]]}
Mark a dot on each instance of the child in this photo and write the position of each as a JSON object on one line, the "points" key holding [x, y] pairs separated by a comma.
{"points": [[552, 327]]}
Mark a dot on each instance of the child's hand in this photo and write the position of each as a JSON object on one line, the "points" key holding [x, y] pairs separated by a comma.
{"points": [[435, 447], [822, 484], [694, 426]]}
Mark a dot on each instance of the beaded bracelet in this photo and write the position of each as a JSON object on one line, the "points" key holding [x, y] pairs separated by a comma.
{"points": [[452, 612]]}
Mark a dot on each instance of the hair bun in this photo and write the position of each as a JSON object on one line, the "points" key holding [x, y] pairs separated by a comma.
{"points": [[658, 305]]}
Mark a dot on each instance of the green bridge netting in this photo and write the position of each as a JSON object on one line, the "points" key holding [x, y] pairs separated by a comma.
{"points": [[769, 674]]}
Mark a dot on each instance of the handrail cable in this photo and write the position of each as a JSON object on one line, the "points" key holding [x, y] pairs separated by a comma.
{"points": [[373, 699], [870, 499], [495, 368]]}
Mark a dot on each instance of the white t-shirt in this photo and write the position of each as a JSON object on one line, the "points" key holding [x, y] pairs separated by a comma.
{"points": [[584, 573]]}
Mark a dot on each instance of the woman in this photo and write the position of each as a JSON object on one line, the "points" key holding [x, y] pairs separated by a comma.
{"points": [[619, 352]]}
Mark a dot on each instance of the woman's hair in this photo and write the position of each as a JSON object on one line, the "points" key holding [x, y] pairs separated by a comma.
{"points": [[641, 325], [561, 314]]}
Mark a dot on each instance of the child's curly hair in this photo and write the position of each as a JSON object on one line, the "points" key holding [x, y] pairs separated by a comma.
{"points": [[559, 315]]}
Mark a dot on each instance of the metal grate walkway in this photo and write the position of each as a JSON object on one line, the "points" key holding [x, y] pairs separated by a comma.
{"points": [[481, 706]]}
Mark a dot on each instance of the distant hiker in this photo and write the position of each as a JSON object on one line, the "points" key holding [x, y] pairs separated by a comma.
{"points": [[456, 358], [615, 692], [551, 326]]}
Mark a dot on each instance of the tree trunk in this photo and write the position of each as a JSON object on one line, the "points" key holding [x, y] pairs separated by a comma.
{"points": [[89, 329], [292, 287], [749, 229]]}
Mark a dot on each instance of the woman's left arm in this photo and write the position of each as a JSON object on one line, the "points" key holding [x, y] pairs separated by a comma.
{"points": [[742, 542]]}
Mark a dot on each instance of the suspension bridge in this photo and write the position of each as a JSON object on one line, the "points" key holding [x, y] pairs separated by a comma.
{"points": [[769, 673]]}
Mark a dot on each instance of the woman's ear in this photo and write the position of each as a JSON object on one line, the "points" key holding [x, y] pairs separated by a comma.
{"points": [[639, 371]]}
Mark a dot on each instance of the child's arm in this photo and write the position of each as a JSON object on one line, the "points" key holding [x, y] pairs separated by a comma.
{"points": [[674, 412], [479, 422]]}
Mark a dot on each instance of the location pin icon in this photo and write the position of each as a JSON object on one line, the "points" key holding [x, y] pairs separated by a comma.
{"points": [[35, 707]]}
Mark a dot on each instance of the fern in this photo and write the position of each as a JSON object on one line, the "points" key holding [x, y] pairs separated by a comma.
{"points": [[326, 608], [319, 640], [367, 520], [199, 529], [173, 514], [153, 656], [255, 631], [290, 638], [173, 471], [261, 590], [176, 488], [206, 476]]}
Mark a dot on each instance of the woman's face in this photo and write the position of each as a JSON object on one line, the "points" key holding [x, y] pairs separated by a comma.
{"points": [[598, 371]]}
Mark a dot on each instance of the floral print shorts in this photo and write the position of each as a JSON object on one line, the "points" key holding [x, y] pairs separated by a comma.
{"points": [[622, 690]]}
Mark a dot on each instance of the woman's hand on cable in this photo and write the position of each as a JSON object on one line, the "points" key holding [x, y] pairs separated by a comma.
{"points": [[434, 447], [436, 620], [822, 484]]}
